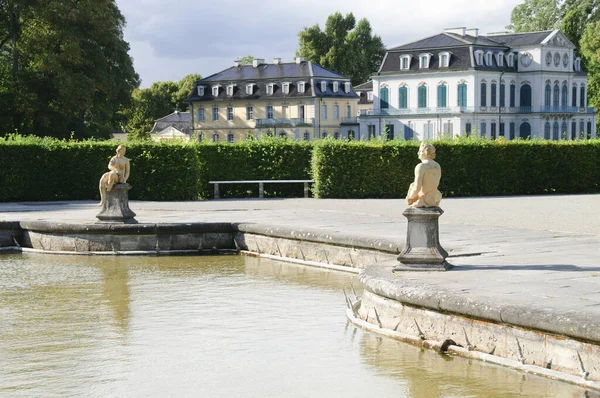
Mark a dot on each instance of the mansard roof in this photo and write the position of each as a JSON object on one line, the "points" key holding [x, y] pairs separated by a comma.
{"points": [[521, 39], [368, 86], [176, 116], [291, 70], [446, 40]]}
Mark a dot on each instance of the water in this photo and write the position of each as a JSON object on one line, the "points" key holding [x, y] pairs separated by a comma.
{"points": [[223, 326]]}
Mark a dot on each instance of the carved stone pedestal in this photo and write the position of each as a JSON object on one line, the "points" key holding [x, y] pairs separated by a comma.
{"points": [[423, 251], [116, 207]]}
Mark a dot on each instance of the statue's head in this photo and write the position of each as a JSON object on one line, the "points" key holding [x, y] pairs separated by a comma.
{"points": [[121, 149], [426, 151]]}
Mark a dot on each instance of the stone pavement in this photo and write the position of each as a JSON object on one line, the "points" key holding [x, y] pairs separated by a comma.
{"points": [[536, 252]]}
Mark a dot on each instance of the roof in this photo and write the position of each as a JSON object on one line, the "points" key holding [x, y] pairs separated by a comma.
{"points": [[368, 86], [176, 117], [521, 39], [446, 40], [171, 132], [291, 70]]}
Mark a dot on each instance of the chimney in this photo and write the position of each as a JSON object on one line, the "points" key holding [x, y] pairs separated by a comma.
{"points": [[299, 60], [276, 61], [257, 61], [457, 31], [237, 63], [472, 32]]}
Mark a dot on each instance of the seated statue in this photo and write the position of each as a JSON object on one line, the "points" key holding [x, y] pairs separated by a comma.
{"points": [[423, 192], [118, 174]]}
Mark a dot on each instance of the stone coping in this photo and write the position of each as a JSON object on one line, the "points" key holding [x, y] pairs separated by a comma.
{"points": [[124, 229], [380, 280]]}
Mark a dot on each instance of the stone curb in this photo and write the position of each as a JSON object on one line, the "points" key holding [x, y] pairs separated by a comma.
{"points": [[125, 229]]}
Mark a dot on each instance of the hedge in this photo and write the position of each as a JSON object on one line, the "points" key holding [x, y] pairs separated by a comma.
{"points": [[470, 167]]}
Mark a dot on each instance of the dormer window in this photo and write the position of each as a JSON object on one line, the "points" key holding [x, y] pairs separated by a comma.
{"points": [[230, 90], [424, 61], [250, 89], [405, 62], [285, 88], [347, 87], [444, 58], [269, 88], [301, 87], [215, 90], [577, 64], [323, 87], [201, 91], [489, 58], [336, 87], [510, 60], [500, 59], [370, 96], [479, 57]]}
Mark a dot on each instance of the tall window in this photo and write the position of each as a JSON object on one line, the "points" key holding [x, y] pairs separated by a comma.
{"points": [[555, 130], [230, 113], [547, 95], [494, 92], [300, 87], [442, 95], [201, 115], [215, 113], [483, 99], [383, 98], [371, 131], [564, 130], [502, 94], [462, 94], [574, 96], [336, 112], [403, 98], [270, 114], [215, 137], [348, 111], [547, 130], [483, 130], [306, 136], [564, 97], [249, 112], [525, 95], [511, 131], [573, 130], [230, 138], [582, 96], [556, 95], [323, 112], [493, 130], [422, 97], [301, 112], [512, 95]]}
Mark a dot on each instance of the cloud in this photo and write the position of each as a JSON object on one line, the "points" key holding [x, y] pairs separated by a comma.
{"points": [[169, 41]]}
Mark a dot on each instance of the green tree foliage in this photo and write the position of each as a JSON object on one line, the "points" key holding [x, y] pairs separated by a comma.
{"points": [[590, 50], [64, 67], [246, 60], [535, 15], [343, 46], [576, 16], [156, 101]]}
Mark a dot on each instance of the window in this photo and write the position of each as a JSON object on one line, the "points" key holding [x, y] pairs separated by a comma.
{"points": [[489, 58], [409, 134], [301, 112], [479, 57], [351, 135], [511, 131], [500, 59], [230, 90], [215, 91], [493, 131], [201, 115], [555, 127], [301, 87], [574, 96], [201, 91], [502, 94], [250, 89], [283, 135], [422, 96], [510, 60], [483, 130], [306, 136], [348, 111], [383, 98], [323, 87], [323, 112], [215, 114], [462, 94], [269, 110], [285, 88], [230, 113], [371, 131], [525, 98], [336, 87], [215, 137], [556, 96], [324, 134], [468, 128], [347, 87], [249, 112], [403, 98], [547, 125], [577, 64], [512, 95], [230, 138], [424, 61], [483, 99], [405, 62], [573, 130], [444, 58], [582, 96], [389, 132], [564, 130], [270, 89], [547, 94], [336, 136], [494, 91], [564, 97], [370, 96], [336, 112], [441, 96]]}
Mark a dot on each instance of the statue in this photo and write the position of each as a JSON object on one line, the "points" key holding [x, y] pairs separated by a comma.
{"points": [[118, 174], [423, 192]]}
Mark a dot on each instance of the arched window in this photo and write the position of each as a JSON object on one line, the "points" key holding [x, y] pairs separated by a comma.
{"points": [[403, 97], [483, 99], [556, 95], [462, 94], [215, 137], [200, 137], [493, 94], [307, 136], [502, 93], [230, 138], [547, 95], [336, 136], [422, 96], [582, 96], [564, 131], [351, 135], [384, 98], [283, 135], [525, 94], [574, 95], [512, 95], [324, 134], [547, 130], [564, 97], [442, 94], [525, 130], [555, 135]]}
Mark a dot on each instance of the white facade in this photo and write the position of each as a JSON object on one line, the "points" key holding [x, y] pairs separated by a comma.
{"points": [[495, 98]]}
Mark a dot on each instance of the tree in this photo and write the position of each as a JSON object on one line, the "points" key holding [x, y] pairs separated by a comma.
{"points": [[343, 46], [156, 101], [535, 15], [65, 67], [577, 15], [590, 50], [246, 60]]}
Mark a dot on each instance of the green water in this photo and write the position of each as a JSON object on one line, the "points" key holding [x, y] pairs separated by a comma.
{"points": [[225, 326]]}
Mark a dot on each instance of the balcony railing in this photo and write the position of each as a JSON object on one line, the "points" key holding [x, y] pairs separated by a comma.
{"points": [[475, 109], [286, 122], [349, 120]]}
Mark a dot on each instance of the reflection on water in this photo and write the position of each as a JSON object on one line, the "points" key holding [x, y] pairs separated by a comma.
{"points": [[222, 326]]}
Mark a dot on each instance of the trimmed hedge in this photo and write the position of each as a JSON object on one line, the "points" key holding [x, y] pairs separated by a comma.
{"points": [[470, 167]]}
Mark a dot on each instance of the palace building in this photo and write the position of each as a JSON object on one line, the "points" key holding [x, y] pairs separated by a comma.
{"points": [[299, 100], [497, 85]]}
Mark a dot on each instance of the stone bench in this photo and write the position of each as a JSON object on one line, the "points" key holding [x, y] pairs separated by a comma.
{"points": [[261, 185]]}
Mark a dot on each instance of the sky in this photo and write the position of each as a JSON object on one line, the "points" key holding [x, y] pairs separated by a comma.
{"points": [[170, 39]]}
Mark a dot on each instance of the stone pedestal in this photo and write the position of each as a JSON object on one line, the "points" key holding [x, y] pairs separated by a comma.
{"points": [[116, 206], [423, 251]]}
